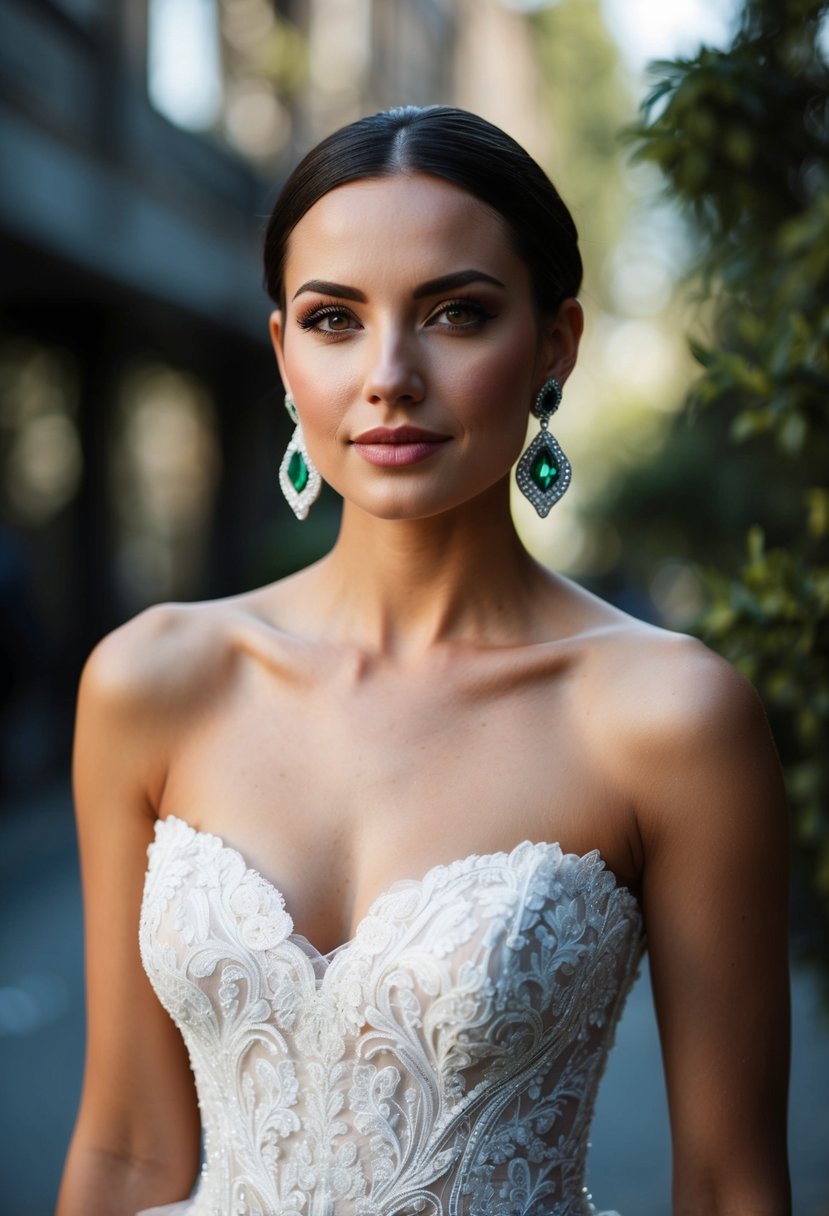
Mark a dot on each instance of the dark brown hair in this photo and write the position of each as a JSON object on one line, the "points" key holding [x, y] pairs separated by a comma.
{"points": [[454, 145]]}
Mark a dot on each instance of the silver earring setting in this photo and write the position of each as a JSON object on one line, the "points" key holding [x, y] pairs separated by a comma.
{"points": [[299, 479], [544, 472]]}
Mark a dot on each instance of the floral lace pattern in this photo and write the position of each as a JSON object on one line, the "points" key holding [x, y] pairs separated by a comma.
{"points": [[443, 1062]]}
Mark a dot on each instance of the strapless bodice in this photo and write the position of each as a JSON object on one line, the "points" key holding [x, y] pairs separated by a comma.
{"points": [[444, 1061]]}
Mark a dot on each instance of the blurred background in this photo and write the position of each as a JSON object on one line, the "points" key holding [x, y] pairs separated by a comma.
{"points": [[142, 144]]}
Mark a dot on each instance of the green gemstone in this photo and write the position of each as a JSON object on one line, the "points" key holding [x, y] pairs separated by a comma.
{"points": [[544, 470], [298, 472]]}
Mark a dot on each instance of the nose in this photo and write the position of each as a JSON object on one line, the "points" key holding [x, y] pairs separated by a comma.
{"points": [[393, 374]]}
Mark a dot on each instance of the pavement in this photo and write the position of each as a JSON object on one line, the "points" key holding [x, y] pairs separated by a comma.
{"points": [[42, 1044]]}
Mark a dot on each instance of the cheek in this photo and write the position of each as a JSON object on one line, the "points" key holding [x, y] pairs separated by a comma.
{"points": [[499, 384], [323, 388]]}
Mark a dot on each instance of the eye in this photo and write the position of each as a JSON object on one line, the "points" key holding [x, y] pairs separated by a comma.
{"points": [[328, 320], [460, 314], [457, 314], [335, 321]]}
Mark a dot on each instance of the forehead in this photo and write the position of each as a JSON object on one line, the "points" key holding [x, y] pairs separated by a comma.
{"points": [[409, 225]]}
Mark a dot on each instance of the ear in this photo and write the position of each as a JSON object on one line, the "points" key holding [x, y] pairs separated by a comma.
{"points": [[276, 331], [560, 340]]}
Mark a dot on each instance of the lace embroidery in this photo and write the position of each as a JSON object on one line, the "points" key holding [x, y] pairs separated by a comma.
{"points": [[444, 1061]]}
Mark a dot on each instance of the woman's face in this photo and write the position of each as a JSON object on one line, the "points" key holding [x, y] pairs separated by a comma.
{"points": [[406, 307]]}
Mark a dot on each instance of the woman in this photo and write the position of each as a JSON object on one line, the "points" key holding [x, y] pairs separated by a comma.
{"points": [[397, 993]]}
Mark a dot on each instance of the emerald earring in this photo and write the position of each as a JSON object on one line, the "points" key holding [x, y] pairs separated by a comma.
{"points": [[544, 472], [299, 479]]}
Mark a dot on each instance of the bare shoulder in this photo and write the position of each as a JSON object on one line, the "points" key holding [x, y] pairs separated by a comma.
{"points": [[684, 733], [143, 682], [675, 688], [159, 652]]}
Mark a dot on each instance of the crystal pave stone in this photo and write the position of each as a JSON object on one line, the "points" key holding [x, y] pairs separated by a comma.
{"points": [[298, 472], [544, 471]]}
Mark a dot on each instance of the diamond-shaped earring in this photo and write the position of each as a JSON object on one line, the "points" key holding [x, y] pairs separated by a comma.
{"points": [[544, 472], [298, 478]]}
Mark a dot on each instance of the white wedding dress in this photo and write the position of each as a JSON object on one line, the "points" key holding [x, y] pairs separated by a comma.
{"points": [[443, 1062]]}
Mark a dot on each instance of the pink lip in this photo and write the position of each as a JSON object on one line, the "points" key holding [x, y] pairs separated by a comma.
{"points": [[400, 434], [394, 447]]}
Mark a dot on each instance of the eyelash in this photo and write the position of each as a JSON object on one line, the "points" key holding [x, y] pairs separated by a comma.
{"points": [[311, 320]]}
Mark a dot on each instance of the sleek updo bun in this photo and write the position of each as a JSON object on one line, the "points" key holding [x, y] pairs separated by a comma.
{"points": [[454, 145]]}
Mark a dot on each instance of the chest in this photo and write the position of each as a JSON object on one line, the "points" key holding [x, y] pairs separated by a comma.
{"points": [[336, 785], [429, 736]]}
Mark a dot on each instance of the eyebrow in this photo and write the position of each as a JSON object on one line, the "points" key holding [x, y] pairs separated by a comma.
{"points": [[446, 282], [449, 281], [330, 289]]}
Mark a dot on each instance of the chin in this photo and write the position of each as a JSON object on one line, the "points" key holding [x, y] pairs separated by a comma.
{"points": [[399, 511], [398, 505], [416, 506], [425, 501]]}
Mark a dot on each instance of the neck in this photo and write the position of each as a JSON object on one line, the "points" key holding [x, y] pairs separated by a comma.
{"points": [[398, 587]]}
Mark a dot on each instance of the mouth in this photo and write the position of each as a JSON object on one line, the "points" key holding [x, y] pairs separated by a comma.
{"points": [[400, 434], [395, 447]]}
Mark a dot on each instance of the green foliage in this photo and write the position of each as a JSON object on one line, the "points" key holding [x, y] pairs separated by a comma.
{"points": [[772, 621], [742, 137]]}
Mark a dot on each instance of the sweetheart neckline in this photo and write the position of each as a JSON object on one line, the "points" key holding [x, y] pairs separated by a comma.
{"points": [[460, 863]]}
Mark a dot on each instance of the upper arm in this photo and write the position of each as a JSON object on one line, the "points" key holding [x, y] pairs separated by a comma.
{"points": [[138, 1100], [713, 822]]}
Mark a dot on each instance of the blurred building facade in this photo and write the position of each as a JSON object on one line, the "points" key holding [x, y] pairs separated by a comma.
{"points": [[142, 145]]}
